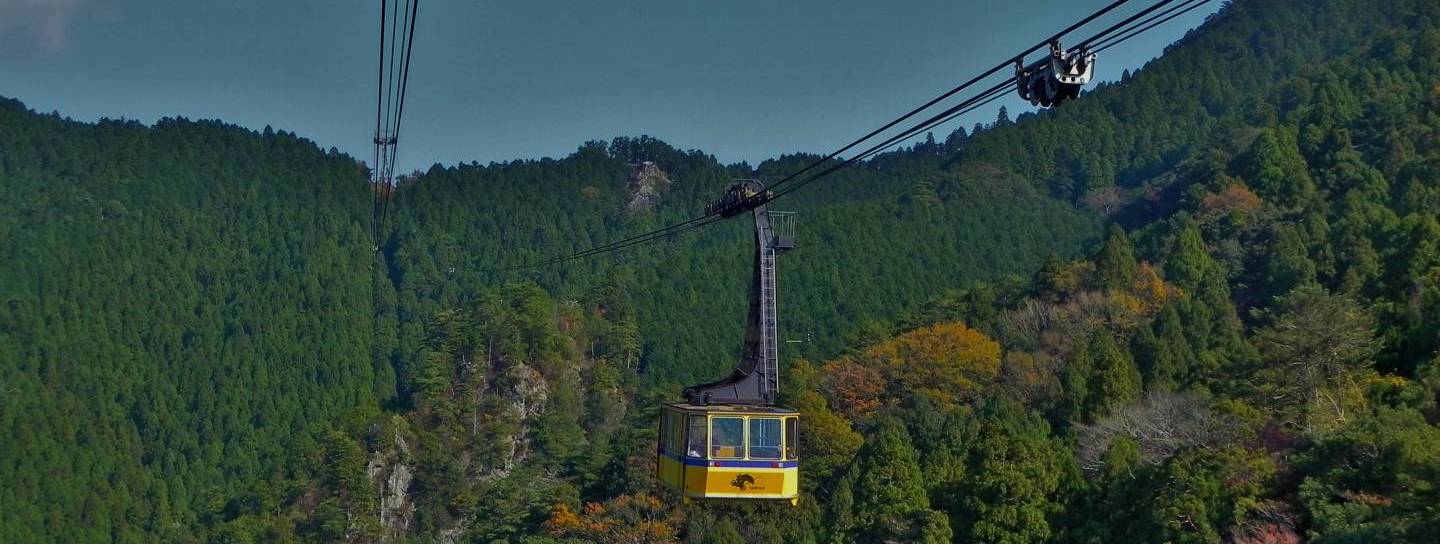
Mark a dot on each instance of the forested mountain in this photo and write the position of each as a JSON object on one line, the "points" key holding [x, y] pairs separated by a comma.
{"points": [[456, 226], [180, 302], [1200, 305]]}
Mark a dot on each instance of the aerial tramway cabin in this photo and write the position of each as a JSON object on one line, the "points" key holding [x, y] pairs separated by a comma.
{"points": [[730, 452], [728, 439]]}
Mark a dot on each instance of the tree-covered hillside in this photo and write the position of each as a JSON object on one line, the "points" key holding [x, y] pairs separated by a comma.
{"points": [[969, 207], [868, 241], [177, 304], [1199, 305]]}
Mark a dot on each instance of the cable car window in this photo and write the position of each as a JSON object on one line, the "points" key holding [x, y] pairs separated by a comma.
{"points": [[764, 438], [695, 446], [672, 430], [792, 438], [728, 438], [677, 433]]}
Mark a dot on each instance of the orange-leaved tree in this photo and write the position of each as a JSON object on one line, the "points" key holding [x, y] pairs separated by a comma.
{"points": [[626, 519], [948, 362]]}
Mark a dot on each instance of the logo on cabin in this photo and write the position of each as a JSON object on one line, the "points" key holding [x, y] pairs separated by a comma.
{"points": [[743, 481]]}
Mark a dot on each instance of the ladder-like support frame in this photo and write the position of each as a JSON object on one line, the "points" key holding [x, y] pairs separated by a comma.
{"points": [[756, 380]]}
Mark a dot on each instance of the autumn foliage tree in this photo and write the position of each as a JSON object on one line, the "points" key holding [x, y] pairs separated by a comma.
{"points": [[829, 442], [948, 363], [626, 519]]}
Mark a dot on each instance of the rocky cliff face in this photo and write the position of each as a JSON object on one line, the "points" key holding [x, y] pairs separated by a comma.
{"points": [[518, 393], [513, 389], [390, 471], [647, 184]]}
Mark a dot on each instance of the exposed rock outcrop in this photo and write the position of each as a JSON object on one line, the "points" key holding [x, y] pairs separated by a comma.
{"points": [[390, 471], [647, 184]]}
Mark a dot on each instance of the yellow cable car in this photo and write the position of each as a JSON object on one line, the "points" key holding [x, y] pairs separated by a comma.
{"points": [[728, 440], [730, 452]]}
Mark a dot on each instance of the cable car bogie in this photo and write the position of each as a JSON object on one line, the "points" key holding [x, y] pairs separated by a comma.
{"points": [[1059, 77]]}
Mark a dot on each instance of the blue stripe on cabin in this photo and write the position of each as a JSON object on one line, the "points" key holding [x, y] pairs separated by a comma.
{"points": [[728, 463]]}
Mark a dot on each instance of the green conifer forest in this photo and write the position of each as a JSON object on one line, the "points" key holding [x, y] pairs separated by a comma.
{"points": [[1200, 304]]}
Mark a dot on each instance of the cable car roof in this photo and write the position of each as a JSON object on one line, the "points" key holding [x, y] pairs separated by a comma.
{"points": [[733, 409]]}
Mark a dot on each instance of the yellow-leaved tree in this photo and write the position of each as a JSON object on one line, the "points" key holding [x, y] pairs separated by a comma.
{"points": [[948, 362]]}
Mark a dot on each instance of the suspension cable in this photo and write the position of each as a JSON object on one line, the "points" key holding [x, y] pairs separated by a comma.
{"points": [[392, 88], [996, 92], [1153, 22], [1108, 36]]}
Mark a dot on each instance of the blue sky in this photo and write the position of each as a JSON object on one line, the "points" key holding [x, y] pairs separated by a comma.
{"points": [[492, 81]]}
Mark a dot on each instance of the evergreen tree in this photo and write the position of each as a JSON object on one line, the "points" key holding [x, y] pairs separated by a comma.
{"points": [[1166, 360], [1076, 387], [1115, 266], [1014, 472], [1277, 170], [1314, 346], [889, 491], [1286, 263], [1115, 381], [1211, 323], [956, 140], [1189, 263], [1375, 479]]}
